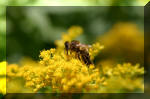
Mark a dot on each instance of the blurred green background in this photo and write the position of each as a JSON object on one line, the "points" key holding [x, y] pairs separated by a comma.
{"points": [[32, 29], [4, 3]]}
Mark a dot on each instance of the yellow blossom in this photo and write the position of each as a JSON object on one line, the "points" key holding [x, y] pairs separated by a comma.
{"points": [[125, 77], [3, 77], [66, 75], [124, 70], [70, 75], [95, 49]]}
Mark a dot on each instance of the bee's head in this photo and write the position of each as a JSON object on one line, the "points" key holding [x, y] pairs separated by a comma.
{"points": [[67, 44]]}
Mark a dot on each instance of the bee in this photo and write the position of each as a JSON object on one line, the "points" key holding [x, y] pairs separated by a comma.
{"points": [[81, 50]]}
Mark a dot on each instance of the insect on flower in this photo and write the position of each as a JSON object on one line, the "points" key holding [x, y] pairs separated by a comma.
{"points": [[81, 50]]}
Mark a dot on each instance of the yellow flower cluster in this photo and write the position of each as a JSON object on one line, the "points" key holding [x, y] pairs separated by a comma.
{"points": [[125, 70], [33, 76], [3, 77], [15, 74], [73, 76], [46, 56], [95, 49], [118, 84], [123, 78], [13, 70], [64, 74]]}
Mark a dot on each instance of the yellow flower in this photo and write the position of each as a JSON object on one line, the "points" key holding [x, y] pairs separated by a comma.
{"points": [[3, 77], [3, 85], [12, 70], [95, 49], [70, 75], [125, 77], [62, 73]]}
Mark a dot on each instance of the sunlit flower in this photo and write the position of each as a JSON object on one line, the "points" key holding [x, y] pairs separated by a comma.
{"points": [[95, 49], [61, 73], [3, 77], [123, 78], [67, 74]]}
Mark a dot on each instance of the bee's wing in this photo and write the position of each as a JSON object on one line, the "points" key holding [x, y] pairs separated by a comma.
{"points": [[84, 45], [78, 44]]}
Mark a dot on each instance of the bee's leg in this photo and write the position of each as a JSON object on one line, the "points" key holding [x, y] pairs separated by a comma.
{"points": [[78, 55], [84, 59], [88, 59], [70, 52], [66, 51]]}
